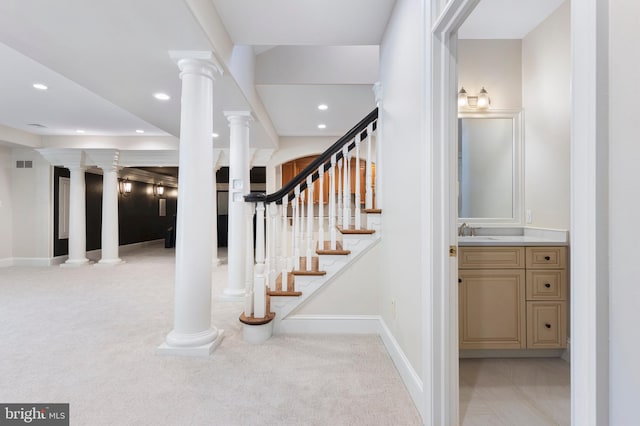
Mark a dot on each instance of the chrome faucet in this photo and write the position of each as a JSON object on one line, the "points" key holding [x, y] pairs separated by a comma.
{"points": [[462, 228]]}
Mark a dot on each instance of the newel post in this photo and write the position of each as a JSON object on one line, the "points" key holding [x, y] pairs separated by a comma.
{"points": [[257, 320]]}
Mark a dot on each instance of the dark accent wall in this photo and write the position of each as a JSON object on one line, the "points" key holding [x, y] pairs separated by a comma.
{"points": [[60, 247], [138, 213], [94, 210]]}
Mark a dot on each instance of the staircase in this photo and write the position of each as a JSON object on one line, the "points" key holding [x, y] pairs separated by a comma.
{"points": [[313, 228]]}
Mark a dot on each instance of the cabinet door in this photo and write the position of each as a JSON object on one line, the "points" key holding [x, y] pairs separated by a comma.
{"points": [[546, 325], [492, 309]]}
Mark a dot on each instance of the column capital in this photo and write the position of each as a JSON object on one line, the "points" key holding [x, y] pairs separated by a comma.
{"points": [[377, 92], [197, 62], [106, 159], [70, 158], [239, 117]]}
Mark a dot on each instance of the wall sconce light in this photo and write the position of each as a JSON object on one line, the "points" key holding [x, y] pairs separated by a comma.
{"points": [[481, 101], [158, 190], [125, 187]]}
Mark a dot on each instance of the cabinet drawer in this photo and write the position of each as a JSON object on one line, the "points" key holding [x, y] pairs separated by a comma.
{"points": [[546, 284], [546, 257], [546, 325], [491, 257]]}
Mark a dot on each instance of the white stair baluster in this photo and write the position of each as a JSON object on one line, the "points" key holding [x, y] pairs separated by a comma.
{"points": [[339, 209], [346, 190], [301, 235], [357, 220], [309, 242], [368, 196], [273, 244], [321, 208], [332, 203], [296, 228], [285, 242]]}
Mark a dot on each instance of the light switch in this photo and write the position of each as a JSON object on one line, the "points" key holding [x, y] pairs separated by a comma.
{"points": [[528, 216]]}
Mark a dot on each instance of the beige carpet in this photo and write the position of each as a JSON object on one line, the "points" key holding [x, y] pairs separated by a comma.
{"points": [[87, 336]]}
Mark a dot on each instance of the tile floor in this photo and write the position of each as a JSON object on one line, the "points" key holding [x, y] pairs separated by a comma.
{"points": [[515, 392]]}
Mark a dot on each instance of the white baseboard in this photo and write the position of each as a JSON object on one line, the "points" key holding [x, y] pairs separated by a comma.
{"points": [[8, 261], [328, 324], [359, 324], [409, 376], [32, 261]]}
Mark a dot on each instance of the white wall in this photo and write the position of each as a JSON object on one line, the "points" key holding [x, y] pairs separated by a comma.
{"points": [[494, 64], [546, 66], [318, 65], [354, 292], [403, 149], [624, 205], [31, 204], [6, 234]]}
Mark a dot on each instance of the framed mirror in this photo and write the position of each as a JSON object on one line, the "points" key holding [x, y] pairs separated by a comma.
{"points": [[490, 172]]}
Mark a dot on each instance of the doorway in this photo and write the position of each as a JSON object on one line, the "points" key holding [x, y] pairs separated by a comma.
{"points": [[588, 363]]}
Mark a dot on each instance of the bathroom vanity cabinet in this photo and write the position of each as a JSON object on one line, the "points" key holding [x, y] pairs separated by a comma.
{"points": [[512, 297]]}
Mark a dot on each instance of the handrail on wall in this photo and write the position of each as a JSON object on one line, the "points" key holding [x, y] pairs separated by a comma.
{"points": [[312, 168]]}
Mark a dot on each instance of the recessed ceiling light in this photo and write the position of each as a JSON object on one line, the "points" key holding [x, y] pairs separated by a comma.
{"points": [[39, 86], [161, 96], [323, 107], [139, 131], [215, 135], [79, 131], [322, 126]]}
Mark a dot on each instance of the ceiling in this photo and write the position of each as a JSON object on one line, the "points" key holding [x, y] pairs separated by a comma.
{"points": [[506, 19], [103, 61]]}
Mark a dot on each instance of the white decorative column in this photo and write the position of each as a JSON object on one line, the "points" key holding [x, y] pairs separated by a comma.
{"points": [[239, 186], [193, 334], [214, 212], [75, 161], [77, 214], [107, 160]]}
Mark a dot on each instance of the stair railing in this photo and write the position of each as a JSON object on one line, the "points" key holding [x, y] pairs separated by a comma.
{"points": [[292, 242]]}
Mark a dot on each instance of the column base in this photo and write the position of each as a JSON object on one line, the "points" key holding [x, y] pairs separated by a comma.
{"points": [[232, 295], [203, 350], [110, 262], [74, 263]]}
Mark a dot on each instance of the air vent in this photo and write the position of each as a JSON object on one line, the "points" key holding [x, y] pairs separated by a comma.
{"points": [[24, 164], [42, 126]]}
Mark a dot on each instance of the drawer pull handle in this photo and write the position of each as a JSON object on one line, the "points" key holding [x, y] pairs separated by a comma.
{"points": [[459, 280], [547, 258], [547, 285], [547, 325]]}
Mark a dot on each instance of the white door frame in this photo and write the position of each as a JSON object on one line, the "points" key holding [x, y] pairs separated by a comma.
{"points": [[589, 235], [443, 347]]}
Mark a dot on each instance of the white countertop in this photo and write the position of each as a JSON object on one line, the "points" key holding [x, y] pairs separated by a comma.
{"points": [[516, 237]]}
